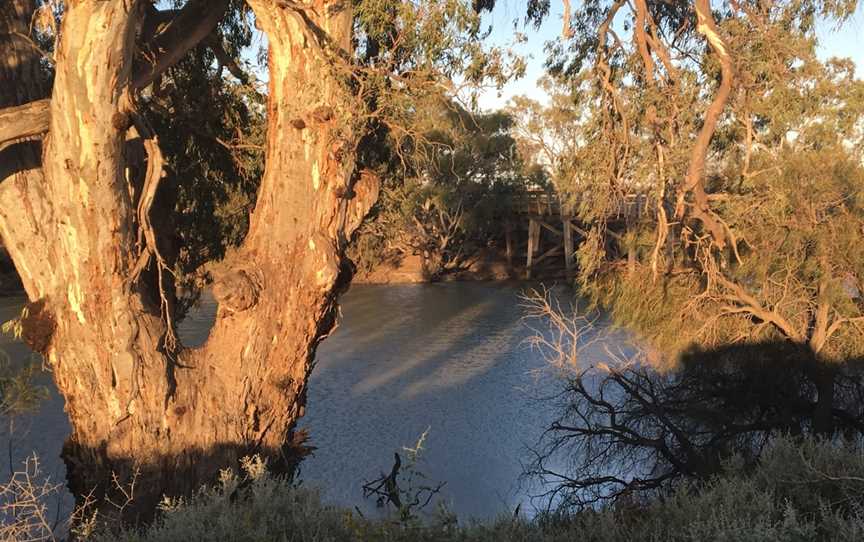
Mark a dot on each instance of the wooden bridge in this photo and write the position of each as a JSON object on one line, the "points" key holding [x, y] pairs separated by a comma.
{"points": [[553, 229]]}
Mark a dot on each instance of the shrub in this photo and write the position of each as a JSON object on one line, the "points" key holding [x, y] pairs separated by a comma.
{"points": [[801, 490]]}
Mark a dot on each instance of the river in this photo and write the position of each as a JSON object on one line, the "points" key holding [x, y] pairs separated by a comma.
{"points": [[451, 358]]}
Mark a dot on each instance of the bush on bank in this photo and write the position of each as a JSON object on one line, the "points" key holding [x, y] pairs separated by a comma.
{"points": [[801, 490]]}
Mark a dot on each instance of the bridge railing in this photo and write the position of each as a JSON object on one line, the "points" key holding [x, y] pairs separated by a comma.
{"points": [[550, 204]]}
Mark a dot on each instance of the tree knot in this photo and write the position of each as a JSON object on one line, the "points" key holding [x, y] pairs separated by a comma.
{"points": [[322, 113], [236, 291], [37, 326]]}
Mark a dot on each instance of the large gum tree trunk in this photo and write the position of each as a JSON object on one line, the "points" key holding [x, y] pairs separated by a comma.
{"points": [[135, 397]]}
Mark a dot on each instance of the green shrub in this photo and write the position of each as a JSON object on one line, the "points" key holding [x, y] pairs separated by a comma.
{"points": [[801, 490]]}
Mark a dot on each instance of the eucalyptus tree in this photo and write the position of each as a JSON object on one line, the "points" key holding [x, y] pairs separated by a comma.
{"points": [[83, 223], [749, 148], [749, 282], [549, 134]]}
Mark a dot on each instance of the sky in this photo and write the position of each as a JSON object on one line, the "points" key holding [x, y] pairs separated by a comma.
{"points": [[847, 41]]}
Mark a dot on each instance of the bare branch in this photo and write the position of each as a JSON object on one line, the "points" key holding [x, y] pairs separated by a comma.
{"points": [[196, 21], [24, 122]]}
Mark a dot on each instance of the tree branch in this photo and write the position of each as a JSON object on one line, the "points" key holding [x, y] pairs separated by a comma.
{"points": [[23, 122], [694, 181], [752, 305], [193, 23], [214, 42]]}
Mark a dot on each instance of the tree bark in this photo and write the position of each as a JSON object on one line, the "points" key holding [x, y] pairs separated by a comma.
{"points": [[695, 180], [21, 182], [136, 398], [21, 122]]}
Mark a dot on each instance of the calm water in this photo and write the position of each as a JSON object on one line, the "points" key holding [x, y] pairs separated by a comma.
{"points": [[448, 357]]}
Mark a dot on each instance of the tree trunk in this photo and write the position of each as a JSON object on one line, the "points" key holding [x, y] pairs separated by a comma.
{"points": [[137, 399], [695, 180], [21, 181]]}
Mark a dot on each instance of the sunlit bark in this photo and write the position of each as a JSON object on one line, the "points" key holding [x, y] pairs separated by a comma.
{"points": [[695, 180], [135, 397]]}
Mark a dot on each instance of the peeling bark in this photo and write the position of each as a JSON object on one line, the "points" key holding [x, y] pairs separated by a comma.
{"points": [[22, 108], [22, 122]]}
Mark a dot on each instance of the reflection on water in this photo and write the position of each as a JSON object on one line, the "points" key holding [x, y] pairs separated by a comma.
{"points": [[42, 432], [449, 357]]}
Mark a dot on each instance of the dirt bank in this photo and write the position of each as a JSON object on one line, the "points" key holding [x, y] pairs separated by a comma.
{"points": [[490, 264]]}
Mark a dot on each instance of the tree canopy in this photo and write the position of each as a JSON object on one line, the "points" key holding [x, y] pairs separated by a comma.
{"points": [[748, 147]]}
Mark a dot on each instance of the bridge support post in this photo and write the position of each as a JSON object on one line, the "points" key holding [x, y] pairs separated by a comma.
{"points": [[508, 239], [533, 244], [568, 248]]}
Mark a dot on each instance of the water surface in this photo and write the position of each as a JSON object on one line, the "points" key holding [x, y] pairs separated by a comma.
{"points": [[451, 358]]}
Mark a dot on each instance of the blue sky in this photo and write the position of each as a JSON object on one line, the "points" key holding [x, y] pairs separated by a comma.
{"points": [[847, 41]]}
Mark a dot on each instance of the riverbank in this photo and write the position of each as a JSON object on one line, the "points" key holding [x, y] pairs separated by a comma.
{"points": [[408, 269], [784, 498], [489, 264]]}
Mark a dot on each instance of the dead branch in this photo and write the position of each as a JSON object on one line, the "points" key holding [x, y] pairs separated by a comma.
{"points": [[147, 243]]}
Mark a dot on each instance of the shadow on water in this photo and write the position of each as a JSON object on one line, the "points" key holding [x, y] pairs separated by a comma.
{"points": [[453, 358], [628, 430]]}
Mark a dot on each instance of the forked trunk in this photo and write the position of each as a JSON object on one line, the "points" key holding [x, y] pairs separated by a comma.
{"points": [[135, 397]]}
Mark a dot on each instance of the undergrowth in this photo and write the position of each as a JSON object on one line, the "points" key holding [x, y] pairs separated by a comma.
{"points": [[801, 490]]}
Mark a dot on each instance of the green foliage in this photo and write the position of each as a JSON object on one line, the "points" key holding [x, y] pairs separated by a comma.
{"points": [[428, 46], [19, 393], [801, 490], [784, 177], [447, 189], [441, 165], [211, 130], [548, 135]]}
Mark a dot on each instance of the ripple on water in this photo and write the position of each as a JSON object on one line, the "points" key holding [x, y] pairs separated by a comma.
{"points": [[449, 357]]}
